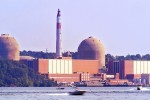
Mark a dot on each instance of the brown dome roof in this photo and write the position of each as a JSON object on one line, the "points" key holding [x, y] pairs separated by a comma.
{"points": [[9, 48], [91, 48]]}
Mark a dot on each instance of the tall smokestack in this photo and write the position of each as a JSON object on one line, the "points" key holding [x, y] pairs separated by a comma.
{"points": [[58, 36]]}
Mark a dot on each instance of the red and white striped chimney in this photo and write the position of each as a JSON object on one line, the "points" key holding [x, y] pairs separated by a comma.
{"points": [[58, 36]]}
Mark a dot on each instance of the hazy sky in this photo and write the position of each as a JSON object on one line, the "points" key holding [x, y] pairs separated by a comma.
{"points": [[123, 26]]}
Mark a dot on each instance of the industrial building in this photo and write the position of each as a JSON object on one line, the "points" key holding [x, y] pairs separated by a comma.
{"points": [[91, 57], [132, 70], [64, 70]]}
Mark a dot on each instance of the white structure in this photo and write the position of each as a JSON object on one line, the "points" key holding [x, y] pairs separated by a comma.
{"points": [[59, 66], [141, 67], [58, 36], [110, 76]]}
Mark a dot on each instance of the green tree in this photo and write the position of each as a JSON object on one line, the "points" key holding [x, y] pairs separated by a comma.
{"points": [[13, 73]]}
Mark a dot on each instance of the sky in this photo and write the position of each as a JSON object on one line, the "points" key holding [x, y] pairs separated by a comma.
{"points": [[123, 26]]}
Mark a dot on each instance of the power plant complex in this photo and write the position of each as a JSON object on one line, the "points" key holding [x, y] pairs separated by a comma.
{"points": [[87, 68], [91, 58]]}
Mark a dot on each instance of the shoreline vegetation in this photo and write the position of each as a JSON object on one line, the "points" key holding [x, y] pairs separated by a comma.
{"points": [[16, 74]]}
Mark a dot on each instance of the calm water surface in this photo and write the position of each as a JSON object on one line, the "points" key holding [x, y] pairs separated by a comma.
{"points": [[93, 93]]}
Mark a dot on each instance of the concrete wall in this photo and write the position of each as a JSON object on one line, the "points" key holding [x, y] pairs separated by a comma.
{"points": [[134, 69], [141, 67], [63, 70], [67, 66], [65, 77], [43, 66], [90, 66], [60, 66], [128, 67], [54, 66]]}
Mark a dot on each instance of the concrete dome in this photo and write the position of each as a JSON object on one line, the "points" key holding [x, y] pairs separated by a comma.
{"points": [[9, 48], [92, 49]]}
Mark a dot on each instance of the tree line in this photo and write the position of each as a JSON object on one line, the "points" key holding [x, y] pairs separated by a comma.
{"points": [[128, 57], [74, 55], [14, 73]]}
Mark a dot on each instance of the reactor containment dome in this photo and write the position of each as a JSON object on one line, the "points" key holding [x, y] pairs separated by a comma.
{"points": [[92, 49], [9, 48]]}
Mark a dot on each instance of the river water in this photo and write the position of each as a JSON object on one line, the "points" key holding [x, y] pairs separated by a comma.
{"points": [[93, 93]]}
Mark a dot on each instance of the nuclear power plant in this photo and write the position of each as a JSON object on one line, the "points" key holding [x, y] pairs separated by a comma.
{"points": [[88, 67], [91, 58]]}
